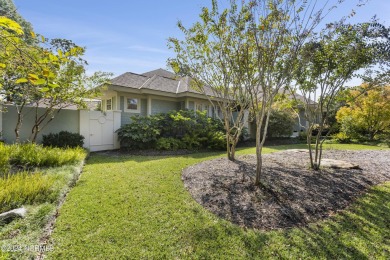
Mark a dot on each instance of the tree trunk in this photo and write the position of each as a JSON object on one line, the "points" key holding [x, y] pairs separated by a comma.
{"points": [[35, 132], [308, 140], [18, 123], [258, 155]]}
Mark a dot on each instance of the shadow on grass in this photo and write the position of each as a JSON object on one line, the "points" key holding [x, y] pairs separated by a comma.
{"points": [[359, 233]]}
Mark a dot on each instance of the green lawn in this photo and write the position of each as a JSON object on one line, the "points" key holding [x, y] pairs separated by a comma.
{"points": [[136, 207]]}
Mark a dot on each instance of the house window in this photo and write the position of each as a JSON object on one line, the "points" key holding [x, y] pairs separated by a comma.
{"points": [[206, 108], [109, 104], [132, 104]]}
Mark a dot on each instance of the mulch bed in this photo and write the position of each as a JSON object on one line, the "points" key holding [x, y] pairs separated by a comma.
{"points": [[291, 194]]}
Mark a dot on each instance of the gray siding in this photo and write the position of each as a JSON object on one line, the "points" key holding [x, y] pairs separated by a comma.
{"points": [[65, 120], [164, 106], [191, 105]]}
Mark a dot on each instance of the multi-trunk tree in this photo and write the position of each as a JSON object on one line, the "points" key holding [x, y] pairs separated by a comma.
{"points": [[218, 60], [250, 48], [324, 66]]}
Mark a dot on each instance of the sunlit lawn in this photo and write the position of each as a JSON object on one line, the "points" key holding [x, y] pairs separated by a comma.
{"points": [[136, 207]]}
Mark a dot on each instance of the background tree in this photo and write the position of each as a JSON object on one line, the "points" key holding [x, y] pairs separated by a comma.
{"points": [[367, 113], [218, 59], [8, 9], [325, 65]]}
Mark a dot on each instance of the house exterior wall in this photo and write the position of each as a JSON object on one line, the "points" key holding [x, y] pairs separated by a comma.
{"points": [[191, 105], [65, 120], [164, 106]]}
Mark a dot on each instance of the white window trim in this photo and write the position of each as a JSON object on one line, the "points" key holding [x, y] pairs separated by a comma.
{"points": [[105, 105], [138, 110]]}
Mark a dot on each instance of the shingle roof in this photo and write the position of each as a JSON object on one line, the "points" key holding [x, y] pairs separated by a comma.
{"points": [[160, 80], [160, 72], [130, 80], [162, 84]]}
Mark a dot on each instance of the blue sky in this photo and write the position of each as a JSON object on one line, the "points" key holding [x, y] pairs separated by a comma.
{"points": [[123, 36]]}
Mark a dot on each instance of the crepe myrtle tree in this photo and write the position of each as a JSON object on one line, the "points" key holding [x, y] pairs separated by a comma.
{"points": [[325, 65], [276, 32], [219, 61], [252, 45]]}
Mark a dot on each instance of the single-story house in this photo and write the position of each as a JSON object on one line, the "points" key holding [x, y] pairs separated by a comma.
{"points": [[157, 91]]}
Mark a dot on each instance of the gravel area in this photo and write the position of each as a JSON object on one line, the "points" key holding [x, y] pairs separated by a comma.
{"points": [[291, 194]]}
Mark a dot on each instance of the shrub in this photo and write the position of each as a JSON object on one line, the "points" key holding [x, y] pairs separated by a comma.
{"points": [[24, 188], [63, 139], [217, 141], [169, 143], [191, 142], [281, 123], [141, 133], [342, 138], [192, 130]]}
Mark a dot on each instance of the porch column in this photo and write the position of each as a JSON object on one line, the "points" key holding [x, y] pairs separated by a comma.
{"points": [[186, 104], [149, 106]]}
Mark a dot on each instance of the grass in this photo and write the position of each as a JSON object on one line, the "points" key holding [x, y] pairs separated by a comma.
{"points": [[24, 188], [39, 190], [28, 231], [29, 155], [136, 207]]}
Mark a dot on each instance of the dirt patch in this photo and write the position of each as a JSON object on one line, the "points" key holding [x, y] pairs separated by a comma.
{"points": [[291, 194]]}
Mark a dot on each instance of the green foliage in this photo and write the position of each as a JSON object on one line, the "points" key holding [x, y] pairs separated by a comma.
{"points": [[29, 156], [8, 9], [141, 133], [33, 155], [169, 143], [4, 159], [217, 141], [366, 115], [192, 130], [63, 139], [281, 123], [342, 138], [24, 188]]}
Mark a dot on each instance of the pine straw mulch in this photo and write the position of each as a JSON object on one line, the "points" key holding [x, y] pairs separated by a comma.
{"points": [[291, 194]]}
